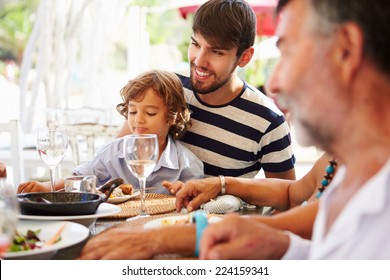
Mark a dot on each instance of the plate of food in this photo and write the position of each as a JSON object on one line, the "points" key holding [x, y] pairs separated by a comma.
{"points": [[178, 220], [104, 209], [121, 194], [40, 240]]}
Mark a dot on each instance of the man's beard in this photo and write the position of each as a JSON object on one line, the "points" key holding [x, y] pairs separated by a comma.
{"points": [[303, 133], [213, 87], [306, 132]]}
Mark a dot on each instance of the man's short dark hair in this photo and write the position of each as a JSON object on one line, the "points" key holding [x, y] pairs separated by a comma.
{"points": [[226, 24]]}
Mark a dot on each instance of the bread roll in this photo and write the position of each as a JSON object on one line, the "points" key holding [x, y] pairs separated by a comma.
{"points": [[127, 189]]}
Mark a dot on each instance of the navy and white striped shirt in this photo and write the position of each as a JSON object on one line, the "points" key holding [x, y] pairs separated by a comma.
{"points": [[239, 138]]}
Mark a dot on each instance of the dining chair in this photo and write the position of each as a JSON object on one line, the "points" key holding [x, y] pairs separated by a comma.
{"points": [[86, 138], [15, 158], [85, 114]]}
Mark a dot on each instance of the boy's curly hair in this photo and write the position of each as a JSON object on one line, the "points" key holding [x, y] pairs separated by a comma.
{"points": [[166, 85]]}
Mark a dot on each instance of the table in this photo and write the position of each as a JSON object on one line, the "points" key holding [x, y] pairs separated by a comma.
{"points": [[102, 224]]}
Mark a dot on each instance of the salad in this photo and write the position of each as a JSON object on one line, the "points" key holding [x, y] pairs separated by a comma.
{"points": [[25, 242], [31, 240]]}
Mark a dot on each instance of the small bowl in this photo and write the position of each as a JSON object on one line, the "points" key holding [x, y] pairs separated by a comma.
{"points": [[59, 204], [64, 203]]}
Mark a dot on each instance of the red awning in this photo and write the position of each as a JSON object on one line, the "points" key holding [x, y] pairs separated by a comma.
{"points": [[264, 10]]}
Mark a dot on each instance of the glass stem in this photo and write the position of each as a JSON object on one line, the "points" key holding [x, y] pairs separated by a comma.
{"points": [[52, 180], [142, 194]]}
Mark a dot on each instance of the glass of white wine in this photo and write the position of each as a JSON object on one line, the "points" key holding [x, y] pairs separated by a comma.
{"points": [[52, 143], [141, 154]]}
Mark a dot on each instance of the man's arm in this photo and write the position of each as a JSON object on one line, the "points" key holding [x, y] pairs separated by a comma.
{"points": [[298, 220], [123, 242], [289, 174]]}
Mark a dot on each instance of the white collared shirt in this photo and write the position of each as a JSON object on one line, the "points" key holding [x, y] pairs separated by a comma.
{"points": [[176, 163], [361, 231]]}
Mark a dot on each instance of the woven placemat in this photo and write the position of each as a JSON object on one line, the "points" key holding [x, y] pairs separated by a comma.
{"points": [[155, 204]]}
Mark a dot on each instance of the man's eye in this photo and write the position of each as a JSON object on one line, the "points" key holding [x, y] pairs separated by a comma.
{"points": [[217, 52]]}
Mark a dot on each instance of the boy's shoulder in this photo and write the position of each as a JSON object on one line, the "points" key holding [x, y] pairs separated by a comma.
{"points": [[113, 148]]}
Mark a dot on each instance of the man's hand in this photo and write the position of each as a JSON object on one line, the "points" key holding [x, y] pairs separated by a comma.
{"points": [[242, 238], [3, 170], [123, 242], [119, 243], [196, 192]]}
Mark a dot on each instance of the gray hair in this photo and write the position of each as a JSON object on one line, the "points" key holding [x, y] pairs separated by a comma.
{"points": [[372, 16]]}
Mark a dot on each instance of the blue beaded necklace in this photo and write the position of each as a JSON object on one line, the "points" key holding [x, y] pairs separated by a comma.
{"points": [[330, 169]]}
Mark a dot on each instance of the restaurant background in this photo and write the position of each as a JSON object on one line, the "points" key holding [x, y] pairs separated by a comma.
{"points": [[65, 61]]}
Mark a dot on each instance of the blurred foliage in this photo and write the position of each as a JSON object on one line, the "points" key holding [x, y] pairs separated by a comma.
{"points": [[186, 38], [164, 27], [258, 71], [167, 27], [158, 25], [16, 23]]}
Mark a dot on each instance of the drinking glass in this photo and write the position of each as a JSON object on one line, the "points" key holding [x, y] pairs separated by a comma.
{"points": [[141, 154], [81, 183], [51, 145], [9, 210]]}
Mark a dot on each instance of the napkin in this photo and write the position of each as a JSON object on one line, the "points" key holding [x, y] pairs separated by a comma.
{"points": [[223, 204]]}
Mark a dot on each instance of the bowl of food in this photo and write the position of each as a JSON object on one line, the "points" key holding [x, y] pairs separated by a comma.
{"points": [[64, 203]]}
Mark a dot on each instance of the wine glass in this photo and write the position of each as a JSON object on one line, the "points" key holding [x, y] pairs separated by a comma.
{"points": [[9, 210], [141, 154], [52, 143]]}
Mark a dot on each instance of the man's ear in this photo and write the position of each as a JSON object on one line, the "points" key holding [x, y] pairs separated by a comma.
{"points": [[246, 57], [349, 51]]}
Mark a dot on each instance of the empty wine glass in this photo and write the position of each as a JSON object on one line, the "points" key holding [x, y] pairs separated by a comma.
{"points": [[141, 154], [9, 210], [52, 143]]}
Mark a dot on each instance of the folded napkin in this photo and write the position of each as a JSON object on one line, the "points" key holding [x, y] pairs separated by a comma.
{"points": [[223, 204]]}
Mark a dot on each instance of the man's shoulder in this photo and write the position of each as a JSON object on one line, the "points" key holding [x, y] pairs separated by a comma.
{"points": [[185, 80], [183, 151], [255, 96]]}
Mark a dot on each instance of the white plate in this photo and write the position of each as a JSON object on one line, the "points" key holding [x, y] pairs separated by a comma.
{"points": [[171, 220], [104, 209], [72, 234], [120, 199]]}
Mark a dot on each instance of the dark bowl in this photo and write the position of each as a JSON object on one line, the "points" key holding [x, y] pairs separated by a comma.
{"points": [[64, 203], [59, 204]]}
